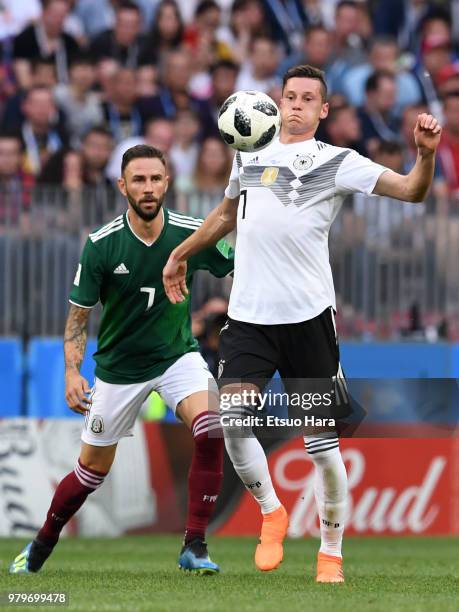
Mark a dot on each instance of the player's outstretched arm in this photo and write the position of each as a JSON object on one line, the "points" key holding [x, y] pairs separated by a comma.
{"points": [[76, 387], [414, 186], [220, 222]]}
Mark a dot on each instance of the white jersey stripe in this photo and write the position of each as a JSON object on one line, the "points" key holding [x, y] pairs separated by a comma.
{"points": [[185, 217], [176, 223], [107, 229], [107, 226], [81, 305], [175, 220], [114, 229]]}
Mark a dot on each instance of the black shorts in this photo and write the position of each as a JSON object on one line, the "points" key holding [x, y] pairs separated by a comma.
{"points": [[305, 354]]}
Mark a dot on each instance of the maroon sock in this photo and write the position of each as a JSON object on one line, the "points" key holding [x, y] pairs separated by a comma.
{"points": [[206, 474], [70, 495]]}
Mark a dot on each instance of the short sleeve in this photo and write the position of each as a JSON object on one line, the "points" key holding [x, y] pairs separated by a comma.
{"points": [[233, 190], [358, 173], [218, 260], [88, 278]]}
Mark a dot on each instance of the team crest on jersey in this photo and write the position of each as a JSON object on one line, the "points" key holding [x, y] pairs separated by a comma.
{"points": [[269, 176], [97, 424], [303, 162]]}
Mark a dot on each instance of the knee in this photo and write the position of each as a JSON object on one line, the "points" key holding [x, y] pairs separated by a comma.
{"points": [[89, 478], [98, 459], [101, 467], [238, 452]]}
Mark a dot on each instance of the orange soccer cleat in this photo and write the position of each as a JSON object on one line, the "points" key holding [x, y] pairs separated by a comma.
{"points": [[329, 568], [269, 552]]}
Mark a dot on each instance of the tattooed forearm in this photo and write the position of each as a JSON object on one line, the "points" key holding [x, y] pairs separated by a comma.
{"points": [[75, 337]]}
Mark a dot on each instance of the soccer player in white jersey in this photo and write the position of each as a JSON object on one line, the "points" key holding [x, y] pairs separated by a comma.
{"points": [[283, 200]]}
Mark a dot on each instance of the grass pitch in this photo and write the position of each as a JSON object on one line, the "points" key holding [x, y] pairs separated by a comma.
{"points": [[140, 573]]}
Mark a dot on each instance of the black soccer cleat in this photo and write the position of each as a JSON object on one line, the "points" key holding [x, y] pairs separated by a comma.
{"points": [[194, 558], [31, 559]]}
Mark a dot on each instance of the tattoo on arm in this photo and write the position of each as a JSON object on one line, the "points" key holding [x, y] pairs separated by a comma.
{"points": [[75, 337]]}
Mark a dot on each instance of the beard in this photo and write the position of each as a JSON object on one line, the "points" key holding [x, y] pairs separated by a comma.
{"points": [[136, 205]]}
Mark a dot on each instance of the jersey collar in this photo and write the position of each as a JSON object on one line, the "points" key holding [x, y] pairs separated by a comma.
{"points": [[309, 144], [148, 244]]}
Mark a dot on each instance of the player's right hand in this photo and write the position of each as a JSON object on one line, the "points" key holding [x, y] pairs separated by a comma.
{"points": [[174, 280], [76, 392]]}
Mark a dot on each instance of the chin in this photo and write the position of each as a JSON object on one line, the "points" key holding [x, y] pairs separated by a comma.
{"points": [[295, 129]]}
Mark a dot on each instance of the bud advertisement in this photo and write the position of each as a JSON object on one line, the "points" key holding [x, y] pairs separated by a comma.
{"points": [[397, 486]]}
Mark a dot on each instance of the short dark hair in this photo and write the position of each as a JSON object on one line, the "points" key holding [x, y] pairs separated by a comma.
{"points": [[313, 28], [383, 40], [99, 130], [141, 151], [206, 5], [127, 5], [451, 95], [335, 112], [262, 37], [389, 147], [346, 4], [306, 72], [224, 63], [372, 83], [46, 3]]}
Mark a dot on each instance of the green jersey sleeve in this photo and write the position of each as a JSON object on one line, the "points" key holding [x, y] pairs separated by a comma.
{"points": [[88, 278], [218, 260]]}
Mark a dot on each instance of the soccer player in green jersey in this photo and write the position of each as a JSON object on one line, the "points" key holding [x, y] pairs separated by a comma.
{"points": [[144, 343]]}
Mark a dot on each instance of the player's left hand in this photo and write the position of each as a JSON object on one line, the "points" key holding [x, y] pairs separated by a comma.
{"points": [[174, 280], [427, 134]]}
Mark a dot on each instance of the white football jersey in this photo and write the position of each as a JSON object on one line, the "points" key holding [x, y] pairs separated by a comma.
{"points": [[289, 195]]}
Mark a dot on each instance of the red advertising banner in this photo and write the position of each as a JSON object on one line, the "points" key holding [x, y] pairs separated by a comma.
{"points": [[396, 487]]}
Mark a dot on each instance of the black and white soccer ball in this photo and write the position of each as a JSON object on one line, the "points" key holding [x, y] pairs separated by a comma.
{"points": [[248, 120]]}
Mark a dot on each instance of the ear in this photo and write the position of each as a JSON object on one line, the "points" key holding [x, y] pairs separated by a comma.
{"points": [[122, 185], [324, 111], [166, 181]]}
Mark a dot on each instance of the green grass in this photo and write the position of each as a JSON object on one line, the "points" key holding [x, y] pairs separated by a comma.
{"points": [[140, 573]]}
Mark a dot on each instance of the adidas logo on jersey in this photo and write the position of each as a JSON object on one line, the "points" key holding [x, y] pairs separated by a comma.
{"points": [[121, 269]]}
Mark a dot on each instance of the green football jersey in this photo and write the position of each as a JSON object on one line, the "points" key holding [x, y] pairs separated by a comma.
{"points": [[141, 333]]}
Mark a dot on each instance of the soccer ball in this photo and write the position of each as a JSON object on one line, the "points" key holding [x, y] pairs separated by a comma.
{"points": [[248, 120]]}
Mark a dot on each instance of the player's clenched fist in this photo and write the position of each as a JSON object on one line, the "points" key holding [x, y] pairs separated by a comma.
{"points": [[76, 392], [427, 133]]}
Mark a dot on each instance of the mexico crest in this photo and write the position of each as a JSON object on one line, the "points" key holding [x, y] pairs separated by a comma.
{"points": [[97, 424]]}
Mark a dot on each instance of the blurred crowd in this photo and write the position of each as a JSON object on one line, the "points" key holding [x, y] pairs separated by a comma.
{"points": [[81, 81]]}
